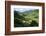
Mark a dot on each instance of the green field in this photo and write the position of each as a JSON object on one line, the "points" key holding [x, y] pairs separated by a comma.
{"points": [[26, 19]]}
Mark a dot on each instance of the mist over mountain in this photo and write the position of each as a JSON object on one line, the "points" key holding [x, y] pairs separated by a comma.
{"points": [[29, 11]]}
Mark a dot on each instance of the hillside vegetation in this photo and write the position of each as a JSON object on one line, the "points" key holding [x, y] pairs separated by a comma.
{"points": [[26, 19]]}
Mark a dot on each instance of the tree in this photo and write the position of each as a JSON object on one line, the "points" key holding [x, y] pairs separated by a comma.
{"points": [[34, 23]]}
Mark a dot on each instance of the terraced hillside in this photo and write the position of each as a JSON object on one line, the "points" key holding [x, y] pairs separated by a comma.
{"points": [[26, 19]]}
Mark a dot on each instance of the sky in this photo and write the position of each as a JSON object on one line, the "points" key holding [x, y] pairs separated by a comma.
{"points": [[23, 9]]}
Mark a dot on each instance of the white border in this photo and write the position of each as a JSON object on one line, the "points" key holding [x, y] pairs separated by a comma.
{"points": [[25, 28]]}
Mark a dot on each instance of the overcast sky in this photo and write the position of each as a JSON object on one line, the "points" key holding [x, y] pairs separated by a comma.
{"points": [[24, 8]]}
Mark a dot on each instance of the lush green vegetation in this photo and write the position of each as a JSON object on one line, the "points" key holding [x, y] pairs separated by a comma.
{"points": [[26, 19]]}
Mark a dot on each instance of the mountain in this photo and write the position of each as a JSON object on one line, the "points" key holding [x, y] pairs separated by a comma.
{"points": [[26, 18]]}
